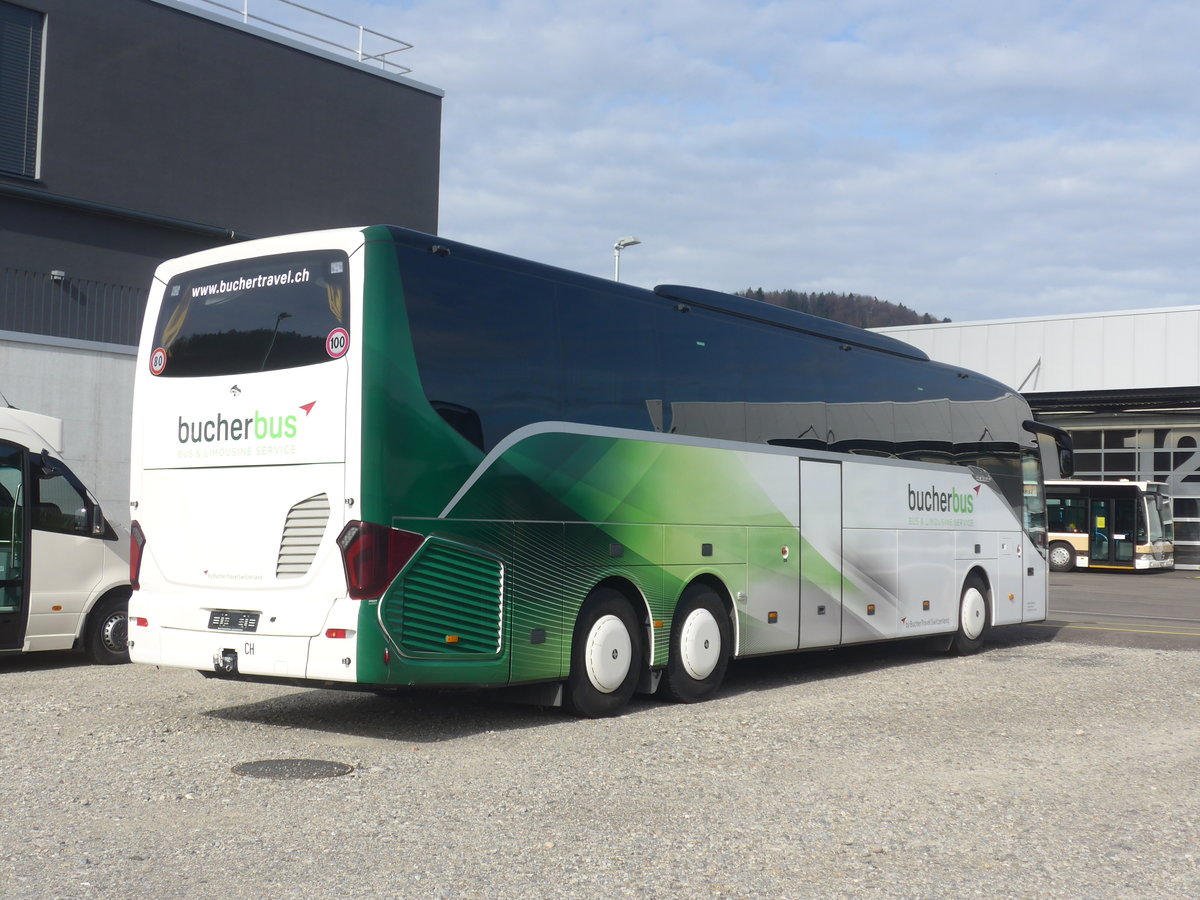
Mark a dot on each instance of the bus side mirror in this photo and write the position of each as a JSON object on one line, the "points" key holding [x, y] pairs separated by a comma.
{"points": [[1066, 462], [1062, 441], [96, 520]]}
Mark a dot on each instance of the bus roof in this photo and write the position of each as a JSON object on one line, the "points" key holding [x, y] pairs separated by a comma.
{"points": [[729, 304], [794, 319]]}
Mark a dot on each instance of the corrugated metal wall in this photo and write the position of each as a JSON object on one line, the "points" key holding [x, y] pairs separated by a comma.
{"points": [[1116, 351]]}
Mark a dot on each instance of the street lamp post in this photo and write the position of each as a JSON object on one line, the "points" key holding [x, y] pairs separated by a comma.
{"points": [[620, 245]]}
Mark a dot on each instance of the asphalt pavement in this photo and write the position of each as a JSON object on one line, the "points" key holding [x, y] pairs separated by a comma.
{"points": [[1159, 610]]}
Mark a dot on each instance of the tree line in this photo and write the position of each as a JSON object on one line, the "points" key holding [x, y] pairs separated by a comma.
{"points": [[850, 309]]}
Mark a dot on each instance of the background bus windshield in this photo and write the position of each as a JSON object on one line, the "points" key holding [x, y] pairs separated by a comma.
{"points": [[274, 312]]}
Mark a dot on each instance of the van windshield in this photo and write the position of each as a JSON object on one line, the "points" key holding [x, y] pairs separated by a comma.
{"points": [[255, 315]]}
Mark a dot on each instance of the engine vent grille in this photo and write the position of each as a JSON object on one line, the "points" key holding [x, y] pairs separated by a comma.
{"points": [[302, 533], [450, 602]]}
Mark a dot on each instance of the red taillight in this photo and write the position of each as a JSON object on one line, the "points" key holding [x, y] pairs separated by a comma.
{"points": [[335, 633], [373, 556], [137, 541], [139, 622]]}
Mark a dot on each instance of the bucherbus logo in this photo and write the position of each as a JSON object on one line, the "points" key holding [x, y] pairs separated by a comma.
{"points": [[934, 500], [257, 427]]}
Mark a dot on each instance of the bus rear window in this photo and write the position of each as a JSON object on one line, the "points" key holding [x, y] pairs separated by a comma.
{"points": [[273, 312]]}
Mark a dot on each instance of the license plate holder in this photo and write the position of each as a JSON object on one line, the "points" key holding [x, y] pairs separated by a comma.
{"points": [[232, 620]]}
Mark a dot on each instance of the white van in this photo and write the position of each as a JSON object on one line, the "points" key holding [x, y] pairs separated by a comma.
{"points": [[64, 569]]}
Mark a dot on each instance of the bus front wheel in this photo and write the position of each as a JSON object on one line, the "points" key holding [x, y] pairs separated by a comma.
{"points": [[973, 617], [700, 643], [1062, 557], [606, 656]]}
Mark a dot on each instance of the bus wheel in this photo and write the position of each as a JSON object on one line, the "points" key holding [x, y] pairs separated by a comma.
{"points": [[972, 617], [1062, 557], [106, 638], [700, 643], [606, 656]]}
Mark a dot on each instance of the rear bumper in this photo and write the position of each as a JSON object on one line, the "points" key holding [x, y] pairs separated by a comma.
{"points": [[236, 653]]}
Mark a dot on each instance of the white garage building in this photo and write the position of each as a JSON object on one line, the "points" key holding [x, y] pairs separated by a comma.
{"points": [[1126, 385]]}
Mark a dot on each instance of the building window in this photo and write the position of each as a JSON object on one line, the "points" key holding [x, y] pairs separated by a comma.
{"points": [[20, 88]]}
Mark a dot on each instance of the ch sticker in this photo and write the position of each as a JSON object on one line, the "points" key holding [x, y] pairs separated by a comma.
{"points": [[337, 343], [158, 361]]}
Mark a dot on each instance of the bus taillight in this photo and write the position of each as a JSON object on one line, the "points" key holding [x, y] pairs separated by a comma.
{"points": [[373, 556], [137, 541]]}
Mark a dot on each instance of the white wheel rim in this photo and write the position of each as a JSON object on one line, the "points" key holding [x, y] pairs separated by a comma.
{"points": [[699, 644], [1059, 556], [974, 613], [609, 654]]}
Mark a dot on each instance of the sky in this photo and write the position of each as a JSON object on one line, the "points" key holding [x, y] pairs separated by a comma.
{"points": [[972, 160]]}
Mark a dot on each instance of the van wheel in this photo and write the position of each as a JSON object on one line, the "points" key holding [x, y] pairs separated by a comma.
{"points": [[973, 617], [606, 656], [106, 636], [1062, 557], [700, 646]]}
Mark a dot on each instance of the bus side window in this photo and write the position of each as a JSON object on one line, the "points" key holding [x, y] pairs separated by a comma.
{"points": [[58, 505]]}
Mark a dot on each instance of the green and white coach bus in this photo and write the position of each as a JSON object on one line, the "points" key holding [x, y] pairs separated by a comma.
{"points": [[377, 458]]}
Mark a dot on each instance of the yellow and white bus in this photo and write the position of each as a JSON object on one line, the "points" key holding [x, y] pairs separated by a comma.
{"points": [[1109, 525]]}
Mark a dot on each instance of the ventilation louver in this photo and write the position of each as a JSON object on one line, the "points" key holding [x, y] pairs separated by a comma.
{"points": [[302, 533], [449, 602]]}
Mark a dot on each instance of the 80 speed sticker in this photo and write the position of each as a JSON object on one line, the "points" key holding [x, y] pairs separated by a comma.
{"points": [[337, 343], [158, 361]]}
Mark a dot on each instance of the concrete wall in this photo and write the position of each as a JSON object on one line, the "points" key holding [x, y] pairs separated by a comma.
{"points": [[91, 390]]}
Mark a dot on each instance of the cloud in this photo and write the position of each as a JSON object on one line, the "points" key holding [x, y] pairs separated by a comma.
{"points": [[972, 160]]}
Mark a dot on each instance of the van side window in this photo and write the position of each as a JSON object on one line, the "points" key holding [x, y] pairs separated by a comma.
{"points": [[60, 505]]}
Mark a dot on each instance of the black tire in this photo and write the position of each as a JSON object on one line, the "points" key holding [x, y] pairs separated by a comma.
{"points": [[106, 635], [1061, 557], [606, 656], [700, 646], [974, 617]]}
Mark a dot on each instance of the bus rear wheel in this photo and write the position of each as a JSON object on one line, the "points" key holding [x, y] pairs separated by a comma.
{"points": [[1062, 557], [973, 617], [106, 636], [606, 656], [700, 643]]}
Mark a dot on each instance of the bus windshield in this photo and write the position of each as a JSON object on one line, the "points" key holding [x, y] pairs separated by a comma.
{"points": [[1156, 527], [272, 312]]}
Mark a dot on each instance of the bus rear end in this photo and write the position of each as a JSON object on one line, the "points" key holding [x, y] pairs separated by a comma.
{"points": [[243, 446]]}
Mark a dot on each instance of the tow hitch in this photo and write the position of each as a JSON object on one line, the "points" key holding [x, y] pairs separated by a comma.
{"points": [[225, 662]]}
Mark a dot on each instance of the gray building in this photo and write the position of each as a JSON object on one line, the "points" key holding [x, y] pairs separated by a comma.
{"points": [[132, 131], [1126, 385]]}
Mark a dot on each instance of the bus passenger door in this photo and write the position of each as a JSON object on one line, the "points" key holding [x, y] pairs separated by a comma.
{"points": [[14, 568], [1113, 527], [820, 554]]}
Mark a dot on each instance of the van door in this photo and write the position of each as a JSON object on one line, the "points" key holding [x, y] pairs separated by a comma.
{"points": [[14, 594], [67, 558]]}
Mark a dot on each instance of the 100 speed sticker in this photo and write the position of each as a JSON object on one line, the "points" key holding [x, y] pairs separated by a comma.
{"points": [[337, 343]]}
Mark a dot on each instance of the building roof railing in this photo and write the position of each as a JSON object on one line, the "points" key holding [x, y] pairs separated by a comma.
{"points": [[361, 43]]}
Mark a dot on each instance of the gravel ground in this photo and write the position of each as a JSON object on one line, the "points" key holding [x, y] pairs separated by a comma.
{"points": [[1030, 770]]}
